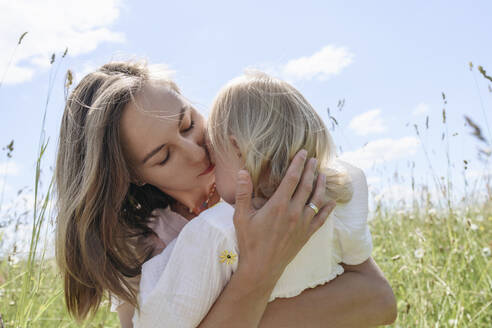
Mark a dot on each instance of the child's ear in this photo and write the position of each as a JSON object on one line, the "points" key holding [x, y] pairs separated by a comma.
{"points": [[234, 144]]}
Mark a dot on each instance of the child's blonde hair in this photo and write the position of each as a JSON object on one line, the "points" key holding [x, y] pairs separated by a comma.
{"points": [[271, 121]]}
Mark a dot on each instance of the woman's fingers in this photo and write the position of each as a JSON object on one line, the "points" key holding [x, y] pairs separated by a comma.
{"points": [[321, 217], [289, 183], [318, 198], [244, 190], [270, 237], [305, 187]]}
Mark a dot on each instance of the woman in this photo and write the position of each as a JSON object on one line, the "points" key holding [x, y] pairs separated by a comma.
{"points": [[119, 160]]}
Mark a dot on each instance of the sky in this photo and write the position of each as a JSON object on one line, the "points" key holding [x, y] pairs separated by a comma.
{"points": [[388, 61]]}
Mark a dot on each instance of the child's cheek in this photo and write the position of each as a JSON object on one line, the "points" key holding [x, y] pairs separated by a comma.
{"points": [[226, 184]]}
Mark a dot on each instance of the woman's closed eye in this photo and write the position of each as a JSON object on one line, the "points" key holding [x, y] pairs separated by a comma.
{"points": [[189, 128], [165, 159], [192, 125]]}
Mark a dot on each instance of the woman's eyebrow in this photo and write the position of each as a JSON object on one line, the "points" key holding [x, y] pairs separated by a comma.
{"points": [[156, 150]]}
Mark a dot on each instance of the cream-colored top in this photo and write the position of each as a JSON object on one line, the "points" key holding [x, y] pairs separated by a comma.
{"points": [[166, 224], [179, 286]]}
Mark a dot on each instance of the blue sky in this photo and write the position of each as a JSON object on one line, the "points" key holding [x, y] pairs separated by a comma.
{"points": [[389, 60]]}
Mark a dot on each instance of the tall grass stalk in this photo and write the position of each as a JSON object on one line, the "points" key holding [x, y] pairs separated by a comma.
{"points": [[482, 71], [32, 278], [12, 56]]}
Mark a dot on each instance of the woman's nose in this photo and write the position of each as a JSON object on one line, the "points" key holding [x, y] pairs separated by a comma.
{"points": [[194, 149]]}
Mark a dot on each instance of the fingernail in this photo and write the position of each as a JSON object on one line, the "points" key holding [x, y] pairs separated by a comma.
{"points": [[242, 175], [314, 162], [303, 153]]}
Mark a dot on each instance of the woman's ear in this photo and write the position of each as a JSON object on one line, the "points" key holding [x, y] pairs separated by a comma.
{"points": [[137, 180], [138, 183]]}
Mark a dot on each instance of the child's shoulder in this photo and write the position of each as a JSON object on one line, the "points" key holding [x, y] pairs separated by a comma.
{"points": [[358, 182], [356, 174], [218, 217]]}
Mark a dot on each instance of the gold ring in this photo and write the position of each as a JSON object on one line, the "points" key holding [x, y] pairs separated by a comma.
{"points": [[314, 207]]}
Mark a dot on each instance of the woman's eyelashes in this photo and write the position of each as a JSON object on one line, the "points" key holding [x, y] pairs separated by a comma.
{"points": [[189, 128], [192, 124], [165, 159]]}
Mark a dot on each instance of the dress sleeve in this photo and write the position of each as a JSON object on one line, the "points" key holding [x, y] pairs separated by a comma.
{"points": [[201, 264], [351, 228]]}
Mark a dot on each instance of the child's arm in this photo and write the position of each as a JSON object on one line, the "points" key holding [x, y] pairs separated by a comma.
{"points": [[351, 229]]}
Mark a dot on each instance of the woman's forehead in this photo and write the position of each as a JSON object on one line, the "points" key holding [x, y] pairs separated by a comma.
{"points": [[151, 118], [159, 99]]}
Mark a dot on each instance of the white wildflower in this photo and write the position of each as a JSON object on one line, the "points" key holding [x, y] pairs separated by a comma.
{"points": [[452, 322], [432, 211], [419, 253], [486, 251], [473, 226], [13, 259], [419, 234]]}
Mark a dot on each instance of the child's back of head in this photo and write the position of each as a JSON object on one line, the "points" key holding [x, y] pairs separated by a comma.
{"points": [[267, 121]]}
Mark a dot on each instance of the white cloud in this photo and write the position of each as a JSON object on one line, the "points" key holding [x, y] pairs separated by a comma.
{"points": [[52, 26], [368, 122], [420, 109], [323, 64], [9, 168], [382, 150]]}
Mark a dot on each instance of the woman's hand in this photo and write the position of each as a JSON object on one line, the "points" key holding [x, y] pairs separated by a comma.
{"points": [[269, 238]]}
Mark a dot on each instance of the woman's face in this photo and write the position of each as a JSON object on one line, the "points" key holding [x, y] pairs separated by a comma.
{"points": [[163, 138]]}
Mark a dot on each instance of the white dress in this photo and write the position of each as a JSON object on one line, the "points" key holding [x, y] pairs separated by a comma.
{"points": [[179, 286]]}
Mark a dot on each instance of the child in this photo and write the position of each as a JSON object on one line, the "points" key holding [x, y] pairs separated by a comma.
{"points": [[258, 123]]}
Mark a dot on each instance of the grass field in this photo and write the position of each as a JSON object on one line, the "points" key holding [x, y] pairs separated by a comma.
{"points": [[439, 265], [437, 258]]}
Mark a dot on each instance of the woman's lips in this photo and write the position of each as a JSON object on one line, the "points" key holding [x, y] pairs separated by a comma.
{"points": [[208, 170]]}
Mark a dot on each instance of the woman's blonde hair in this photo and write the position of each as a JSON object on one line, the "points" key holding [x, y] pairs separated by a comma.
{"points": [[102, 217], [270, 122]]}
